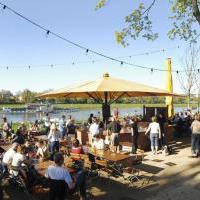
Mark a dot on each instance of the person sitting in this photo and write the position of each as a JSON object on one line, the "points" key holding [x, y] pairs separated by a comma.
{"points": [[34, 128], [98, 143], [8, 157], [19, 137], [42, 149], [76, 148], [61, 182], [18, 162]]}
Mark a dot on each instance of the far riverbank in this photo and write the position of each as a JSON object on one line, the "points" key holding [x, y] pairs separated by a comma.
{"points": [[97, 106]]}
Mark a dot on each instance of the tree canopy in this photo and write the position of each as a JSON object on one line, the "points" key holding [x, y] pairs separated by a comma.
{"points": [[184, 16]]}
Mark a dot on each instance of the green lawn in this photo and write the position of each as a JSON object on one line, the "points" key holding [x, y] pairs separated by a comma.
{"points": [[92, 106]]}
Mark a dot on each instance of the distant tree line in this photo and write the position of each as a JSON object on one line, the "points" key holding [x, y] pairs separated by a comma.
{"points": [[28, 96]]}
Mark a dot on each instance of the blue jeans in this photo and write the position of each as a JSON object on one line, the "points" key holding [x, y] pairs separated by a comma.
{"points": [[62, 132], [54, 147], [195, 143], [154, 139]]}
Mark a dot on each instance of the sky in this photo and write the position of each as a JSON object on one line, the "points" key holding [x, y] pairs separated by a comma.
{"points": [[22, 44]]}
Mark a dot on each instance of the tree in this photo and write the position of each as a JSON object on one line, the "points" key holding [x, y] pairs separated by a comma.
{"points": [[188, 78], [185, 17], [28, 96]]}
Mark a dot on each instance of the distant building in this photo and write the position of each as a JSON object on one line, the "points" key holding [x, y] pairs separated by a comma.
{"points": [[5, 94]]}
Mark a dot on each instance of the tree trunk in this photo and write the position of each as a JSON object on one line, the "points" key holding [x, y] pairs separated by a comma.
{"points": [[196, 11], [188, 101]]}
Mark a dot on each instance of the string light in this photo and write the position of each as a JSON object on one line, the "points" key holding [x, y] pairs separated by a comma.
{"points": [[59, 36], [48, 32]]}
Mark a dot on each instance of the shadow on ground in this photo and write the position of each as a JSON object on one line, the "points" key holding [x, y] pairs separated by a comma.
{"points": [[175, 182]]}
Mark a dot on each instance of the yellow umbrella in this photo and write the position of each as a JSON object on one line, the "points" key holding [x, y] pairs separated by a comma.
{"points": [[107, 90], [169, 99]]}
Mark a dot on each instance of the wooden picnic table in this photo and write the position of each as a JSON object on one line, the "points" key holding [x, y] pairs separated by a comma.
{"points": [[5, 147], [41, 137], [43, 166], [110, 156]]}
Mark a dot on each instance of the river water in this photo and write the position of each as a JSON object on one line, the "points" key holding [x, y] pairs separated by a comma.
{"points": [[79, 115]]}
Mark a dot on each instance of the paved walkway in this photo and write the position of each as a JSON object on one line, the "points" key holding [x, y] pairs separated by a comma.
{"points": [[179, 177], [173, 177]]}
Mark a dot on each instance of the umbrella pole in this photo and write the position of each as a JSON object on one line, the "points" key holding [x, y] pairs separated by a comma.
{"points": [[106, 109]]}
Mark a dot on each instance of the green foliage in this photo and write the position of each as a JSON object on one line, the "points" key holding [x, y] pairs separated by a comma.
{"points": [[28, 96], [184, 17], [100, 4]]}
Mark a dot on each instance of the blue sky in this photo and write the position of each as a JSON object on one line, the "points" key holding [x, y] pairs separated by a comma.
{"points": [[22, 44]]}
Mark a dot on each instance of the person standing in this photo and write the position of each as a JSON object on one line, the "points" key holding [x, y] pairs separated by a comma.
{"points": [[114, 128], [155, 134], [134, 133], [69, 119], [94, 130], [62, 127], [6, 128], [47, 123], [90, 119], [53, 140], [161, 120], [195, 127]]}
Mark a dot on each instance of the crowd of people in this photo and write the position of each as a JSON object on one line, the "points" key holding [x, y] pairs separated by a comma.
{"points": [[18, 159]]}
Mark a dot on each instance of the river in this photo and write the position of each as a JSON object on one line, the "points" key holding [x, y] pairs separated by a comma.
{"points": [[79, 115]]}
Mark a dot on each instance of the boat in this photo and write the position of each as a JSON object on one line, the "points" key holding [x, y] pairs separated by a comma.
{"points": [[43, 108], [7, 109]]}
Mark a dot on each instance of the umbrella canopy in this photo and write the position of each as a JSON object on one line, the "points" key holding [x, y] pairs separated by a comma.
{"points": [[113, 88], [107, 90]]}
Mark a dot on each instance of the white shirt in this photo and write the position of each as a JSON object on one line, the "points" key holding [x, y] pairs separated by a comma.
{"points": [[94, 129], [68, 121], [18, 159], [59, 173], [41, 151], [98, 144], [8, 156], [53, 136], [47, 122], [154, 127]]}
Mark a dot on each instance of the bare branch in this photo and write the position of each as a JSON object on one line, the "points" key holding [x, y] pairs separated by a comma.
{"points": [[196, 11], [149, 8]]}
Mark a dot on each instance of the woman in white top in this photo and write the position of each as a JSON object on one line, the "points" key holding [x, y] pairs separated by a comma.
{"points": [[98, 143], [54, 140], [155, 134], [42, 150]]}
